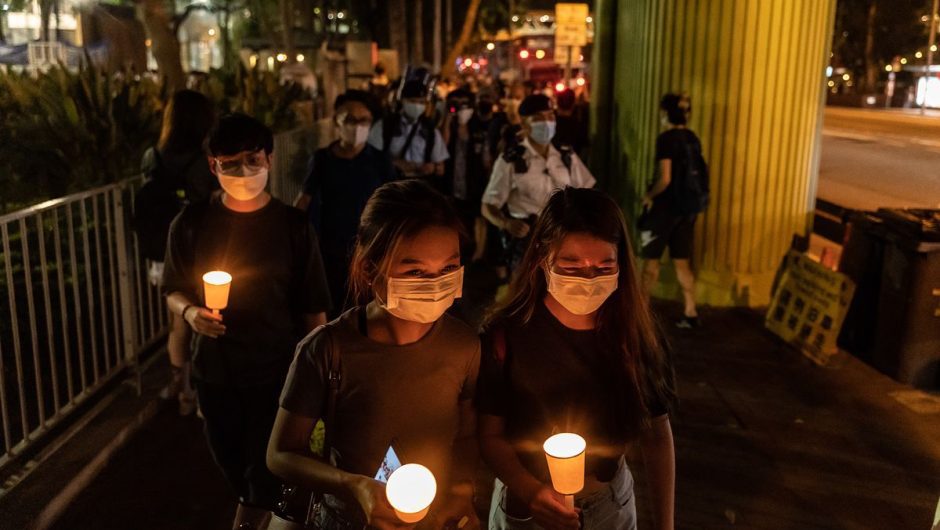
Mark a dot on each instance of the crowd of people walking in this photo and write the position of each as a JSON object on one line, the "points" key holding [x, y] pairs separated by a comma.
{"points": [[339, 339]]}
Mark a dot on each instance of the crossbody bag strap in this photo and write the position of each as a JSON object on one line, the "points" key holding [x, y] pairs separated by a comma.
{"points": [[334, 378]]}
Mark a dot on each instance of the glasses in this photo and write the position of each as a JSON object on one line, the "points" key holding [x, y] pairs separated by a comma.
{"points": [[251, 161]]}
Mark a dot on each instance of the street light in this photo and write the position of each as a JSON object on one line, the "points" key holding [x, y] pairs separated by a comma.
{"points": [[919, 55], [846, 77], [524, 54], [490, 46], [539, 54], [889, 68]]}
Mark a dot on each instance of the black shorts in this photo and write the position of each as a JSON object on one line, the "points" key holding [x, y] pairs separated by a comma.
{"points": [[662, 228]]}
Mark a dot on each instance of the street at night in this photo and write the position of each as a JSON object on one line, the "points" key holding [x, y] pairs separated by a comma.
{"points": [[469, 264], [880, 158]]}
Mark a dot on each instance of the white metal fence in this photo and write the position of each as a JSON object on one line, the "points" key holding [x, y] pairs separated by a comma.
{"points": [[76, 308], [79, 309]]}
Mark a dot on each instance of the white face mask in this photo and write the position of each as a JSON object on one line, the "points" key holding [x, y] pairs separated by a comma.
{"points": [[581, 296], [413, 110], [244, 188], [464, 115], [355, 135], [422, 300], [542, 132]]}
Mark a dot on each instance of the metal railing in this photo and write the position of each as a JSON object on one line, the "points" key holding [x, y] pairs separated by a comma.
{"points": [[79, 308], [76, 308]]}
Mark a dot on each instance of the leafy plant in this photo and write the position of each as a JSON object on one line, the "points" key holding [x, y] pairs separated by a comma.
{"points": [[67, 131]]}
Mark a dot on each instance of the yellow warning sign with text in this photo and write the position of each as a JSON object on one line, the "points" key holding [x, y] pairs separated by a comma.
{"points": [[809, 306], [571, 24]]}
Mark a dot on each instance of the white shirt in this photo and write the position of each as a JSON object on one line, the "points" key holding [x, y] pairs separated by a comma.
{"points": [[415, 150], [527, 193]]}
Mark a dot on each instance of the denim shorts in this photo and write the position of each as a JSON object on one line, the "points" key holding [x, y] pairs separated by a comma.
{"points": [[612, 507]]}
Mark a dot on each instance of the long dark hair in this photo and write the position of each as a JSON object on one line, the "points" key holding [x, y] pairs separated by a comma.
{"points": [[187, 120], [624, 322], [395, 211]]}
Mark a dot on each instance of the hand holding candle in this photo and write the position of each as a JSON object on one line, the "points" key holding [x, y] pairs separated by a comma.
{"points": [[216, 285], [410, 491], [565, 455]]}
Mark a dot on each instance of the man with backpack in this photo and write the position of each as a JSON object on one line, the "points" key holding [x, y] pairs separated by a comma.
{"points": [[528, 172], [410, 137], [674, 201]]}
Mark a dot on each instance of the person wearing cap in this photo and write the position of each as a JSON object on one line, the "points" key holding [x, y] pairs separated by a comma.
{"points": [[527, 173], [410, 137]]}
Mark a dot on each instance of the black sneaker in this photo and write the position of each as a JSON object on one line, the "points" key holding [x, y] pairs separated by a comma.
{"points": [[688, 323]]}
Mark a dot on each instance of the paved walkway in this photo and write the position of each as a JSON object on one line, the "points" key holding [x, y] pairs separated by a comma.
{"points": [[765, 440]]}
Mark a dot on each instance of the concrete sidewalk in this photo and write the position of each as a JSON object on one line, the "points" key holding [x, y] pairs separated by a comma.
{"points": [[765, 440]]}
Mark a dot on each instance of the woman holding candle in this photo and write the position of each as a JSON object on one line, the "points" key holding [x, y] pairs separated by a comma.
{"points": [[265, 289], [574, 349], [407, 371]]}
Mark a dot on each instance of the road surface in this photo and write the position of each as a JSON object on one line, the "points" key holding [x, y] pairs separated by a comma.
{"points": [[878, 158]]}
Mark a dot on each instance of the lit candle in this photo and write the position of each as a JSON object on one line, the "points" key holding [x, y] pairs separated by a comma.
{"points": [[216, 285], [565, 455], [410, 491]]}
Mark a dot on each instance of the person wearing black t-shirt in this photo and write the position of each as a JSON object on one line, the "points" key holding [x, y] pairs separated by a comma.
{"points": [[278, 294], [665, 225], [340, 180], [466, 131], [574, 349]]}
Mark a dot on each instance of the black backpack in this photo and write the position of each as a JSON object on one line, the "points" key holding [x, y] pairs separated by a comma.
{"points": [[690, 188], [156, 204]]}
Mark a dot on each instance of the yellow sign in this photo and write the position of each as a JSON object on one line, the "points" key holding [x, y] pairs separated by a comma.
{"points": [[809, 306], [571, 24], [561, 54]]}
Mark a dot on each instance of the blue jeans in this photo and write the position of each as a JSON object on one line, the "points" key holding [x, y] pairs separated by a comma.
{"points": [[612, 507]]}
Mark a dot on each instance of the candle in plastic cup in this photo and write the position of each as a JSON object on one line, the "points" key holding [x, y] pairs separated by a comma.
{"points": [[565, 455], [410, 491], [216, 285]]}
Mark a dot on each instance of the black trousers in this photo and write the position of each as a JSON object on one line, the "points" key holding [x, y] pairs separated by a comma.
{"points": [[238, 426]]}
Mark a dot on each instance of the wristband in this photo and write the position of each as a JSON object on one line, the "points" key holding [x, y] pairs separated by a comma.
{"points": [[185, 309]]}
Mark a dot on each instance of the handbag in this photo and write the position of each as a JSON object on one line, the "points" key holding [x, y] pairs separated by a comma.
{"points": [[302, 505]]}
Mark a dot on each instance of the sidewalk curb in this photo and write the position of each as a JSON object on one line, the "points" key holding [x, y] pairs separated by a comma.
{"points": [[60, 503]]}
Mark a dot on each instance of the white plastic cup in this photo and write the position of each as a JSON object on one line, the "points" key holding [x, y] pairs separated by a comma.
{"points": [[565, 455], [216, 285], [411, 490]]}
